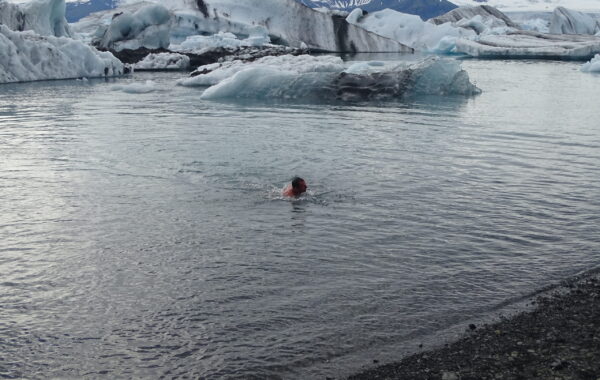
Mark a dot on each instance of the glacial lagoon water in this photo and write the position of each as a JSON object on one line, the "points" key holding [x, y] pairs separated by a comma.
{"points": [[143, 235]]}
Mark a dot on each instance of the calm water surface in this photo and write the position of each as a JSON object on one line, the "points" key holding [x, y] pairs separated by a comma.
{"points": [[144, 235]]}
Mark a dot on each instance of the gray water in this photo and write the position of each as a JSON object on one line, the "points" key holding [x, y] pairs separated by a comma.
{"points": [[144, 235]]}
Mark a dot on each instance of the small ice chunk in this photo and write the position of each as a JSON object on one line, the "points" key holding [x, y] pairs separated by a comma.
{"points": [[164, 61], [593, 66], [136, 88], [259, 37]]}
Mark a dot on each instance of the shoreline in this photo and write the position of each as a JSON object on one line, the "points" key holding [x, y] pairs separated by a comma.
{"points": [[559, 338]]}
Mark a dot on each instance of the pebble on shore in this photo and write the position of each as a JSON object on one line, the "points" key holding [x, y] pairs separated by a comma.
{"points": [[559, 339]]}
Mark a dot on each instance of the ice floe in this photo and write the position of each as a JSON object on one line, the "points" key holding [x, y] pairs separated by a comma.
{"points": [[593, 66], [527, 44], [328, 78], [26, 56]]}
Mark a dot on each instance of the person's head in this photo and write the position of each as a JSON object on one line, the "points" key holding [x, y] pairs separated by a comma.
{"points": [[298, 185]]}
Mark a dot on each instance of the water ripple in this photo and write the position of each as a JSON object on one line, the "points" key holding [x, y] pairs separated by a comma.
{"points": [[149, 237]]}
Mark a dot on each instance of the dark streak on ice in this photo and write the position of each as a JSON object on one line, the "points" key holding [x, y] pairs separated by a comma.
{"points": [[373, 86], [202, 7], [340, 30]]}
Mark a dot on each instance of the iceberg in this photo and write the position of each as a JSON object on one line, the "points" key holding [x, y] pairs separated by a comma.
{"points": [[293, 24], [44, 17], [286, 22], [487, 14], [163, 61], [329, 78], [527, 44], [148, 27], [566, 21], [26, 56], [593, 66], [410, 30]]}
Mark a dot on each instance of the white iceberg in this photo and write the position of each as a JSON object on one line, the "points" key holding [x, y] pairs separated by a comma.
{"points": [[592, 66], [44, 17], [163, 61], [488, 15], [329, 78], [526, 44], [26, 56], [148, 27], [566, 21], [410, 30]]}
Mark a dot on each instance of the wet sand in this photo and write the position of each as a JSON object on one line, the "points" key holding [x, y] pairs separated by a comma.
{"points": [[558, 339]]}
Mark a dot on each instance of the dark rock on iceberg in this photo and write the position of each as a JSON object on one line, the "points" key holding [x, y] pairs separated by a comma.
{"points": [[354, 87]]}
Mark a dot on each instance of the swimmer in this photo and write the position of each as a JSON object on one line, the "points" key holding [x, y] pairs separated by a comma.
{"points": [[297, 187]]}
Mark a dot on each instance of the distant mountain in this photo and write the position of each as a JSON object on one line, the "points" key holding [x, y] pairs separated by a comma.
{"points": [[424, 8], [80, 9]]}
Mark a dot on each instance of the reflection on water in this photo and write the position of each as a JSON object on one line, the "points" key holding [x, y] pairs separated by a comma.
{"points": [[146, 235]]}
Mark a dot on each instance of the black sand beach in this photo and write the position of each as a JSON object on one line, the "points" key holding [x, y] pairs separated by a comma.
{"points": [[558, 339]]}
